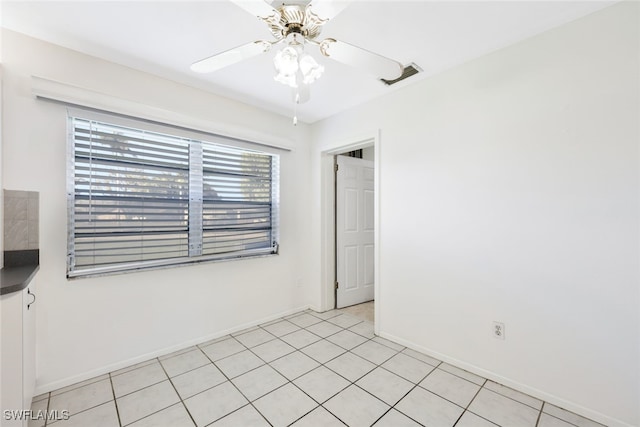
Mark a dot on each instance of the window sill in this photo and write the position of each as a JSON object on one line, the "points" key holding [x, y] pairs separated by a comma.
{"points": [[160, 265]]}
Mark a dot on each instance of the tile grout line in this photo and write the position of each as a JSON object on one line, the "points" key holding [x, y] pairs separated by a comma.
{"points": [[236, 410], [569, 422], [146, 387], [188, 370], [544, 403], [466, 409], [484, 380], [141, 388], [115, 401], [86, 409], [249, 402], [46, 419], [83, 384], [539, 415], [131, 368], [514, 400], [415, 385], [177, 394], [295, 349], [177, 353], [229, 355]]}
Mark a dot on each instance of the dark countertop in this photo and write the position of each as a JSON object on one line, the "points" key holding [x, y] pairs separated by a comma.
{"points": [[14, 279]]}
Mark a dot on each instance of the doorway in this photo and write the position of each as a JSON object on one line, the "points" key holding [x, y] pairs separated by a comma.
{"points": [[354, 227], [327, 254]]}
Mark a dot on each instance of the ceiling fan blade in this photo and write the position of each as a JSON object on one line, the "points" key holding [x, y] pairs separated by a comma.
{"points": [[325, 10], [375, 64], [231, 56], [258, 8]]}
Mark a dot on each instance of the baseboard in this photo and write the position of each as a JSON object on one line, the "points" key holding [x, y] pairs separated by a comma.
{"points": [[55, 385], [538, 394]]}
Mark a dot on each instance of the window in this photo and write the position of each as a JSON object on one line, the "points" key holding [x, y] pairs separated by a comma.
{"points": [[141, 198]]}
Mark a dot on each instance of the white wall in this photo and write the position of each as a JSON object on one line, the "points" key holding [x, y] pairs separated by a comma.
{"points": [[1, 187], [88, 326], [509, 191]]}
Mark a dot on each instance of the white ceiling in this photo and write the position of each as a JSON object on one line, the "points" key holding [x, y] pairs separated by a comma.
{"points": [[165, 37]]}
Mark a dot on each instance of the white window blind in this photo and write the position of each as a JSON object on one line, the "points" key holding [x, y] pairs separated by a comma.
{"points": [[236, 206], [140, 199]]}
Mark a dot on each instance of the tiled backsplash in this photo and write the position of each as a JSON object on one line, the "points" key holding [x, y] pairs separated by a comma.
{"points": [[21, 213]]}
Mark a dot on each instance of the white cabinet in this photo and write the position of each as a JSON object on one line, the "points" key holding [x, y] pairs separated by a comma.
{"points": [[18, 336], [28, 345]]}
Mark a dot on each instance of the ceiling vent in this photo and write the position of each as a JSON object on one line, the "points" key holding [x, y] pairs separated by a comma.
{"points": [[409, 70]]}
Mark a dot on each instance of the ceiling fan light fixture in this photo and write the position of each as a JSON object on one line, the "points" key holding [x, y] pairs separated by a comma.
{"points": [[286, 61], [310, 69], [294, 67], [286, 80]]}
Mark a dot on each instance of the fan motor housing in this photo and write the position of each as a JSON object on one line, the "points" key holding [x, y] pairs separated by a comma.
{"points": [[296, 19], [292, 28]]}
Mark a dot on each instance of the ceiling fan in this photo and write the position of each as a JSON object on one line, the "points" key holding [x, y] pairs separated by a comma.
{"points": [[295, 26]]}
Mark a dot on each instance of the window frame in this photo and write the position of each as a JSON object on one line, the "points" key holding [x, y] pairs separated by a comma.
{"points": [[195, 191]]}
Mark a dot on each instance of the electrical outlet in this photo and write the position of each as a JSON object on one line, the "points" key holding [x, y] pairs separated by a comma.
{"points": [[498, 330]]}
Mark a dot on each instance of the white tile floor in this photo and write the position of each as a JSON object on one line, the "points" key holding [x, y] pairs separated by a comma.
{"points": [[309, 369]]}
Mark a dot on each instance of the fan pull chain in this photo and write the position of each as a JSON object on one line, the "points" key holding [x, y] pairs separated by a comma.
{"points": [[295, 108]]}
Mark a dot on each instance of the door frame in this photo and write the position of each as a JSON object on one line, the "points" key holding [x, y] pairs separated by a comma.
{"points": [[327, 212]]}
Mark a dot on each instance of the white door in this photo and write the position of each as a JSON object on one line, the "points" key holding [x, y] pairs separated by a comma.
{"points": [[354, 231]]}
